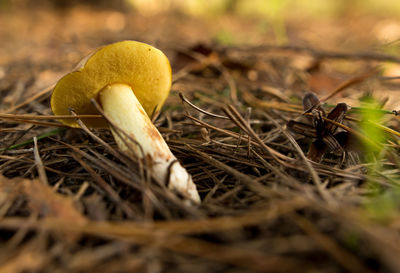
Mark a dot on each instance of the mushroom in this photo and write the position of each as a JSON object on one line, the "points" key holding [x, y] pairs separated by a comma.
{"points": [[130, 80]]}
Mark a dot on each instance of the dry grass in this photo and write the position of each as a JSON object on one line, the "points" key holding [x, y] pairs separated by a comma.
{"points": [[71, 202]]}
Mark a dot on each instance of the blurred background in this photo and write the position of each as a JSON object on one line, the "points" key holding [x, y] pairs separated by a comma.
{"points": [[54, 35]]}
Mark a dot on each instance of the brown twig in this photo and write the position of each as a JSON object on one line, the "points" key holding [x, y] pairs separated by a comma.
{"points": [[45, 91], [320, 54], [39, 163]]}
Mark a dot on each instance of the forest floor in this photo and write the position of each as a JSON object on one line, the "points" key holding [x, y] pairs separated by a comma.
{"points": [[68, 204]]}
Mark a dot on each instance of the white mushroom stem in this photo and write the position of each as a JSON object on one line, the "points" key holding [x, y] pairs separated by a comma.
{"points": [[123, 108]]}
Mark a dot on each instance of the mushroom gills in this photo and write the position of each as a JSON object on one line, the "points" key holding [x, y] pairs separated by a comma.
{"points": [[120, 104]]}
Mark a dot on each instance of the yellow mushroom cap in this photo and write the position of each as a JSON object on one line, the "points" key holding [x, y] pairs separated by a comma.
{"points": [[142, 67]]}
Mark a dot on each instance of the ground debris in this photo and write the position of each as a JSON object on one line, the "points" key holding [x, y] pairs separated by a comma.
{"points": [[71, 202]]}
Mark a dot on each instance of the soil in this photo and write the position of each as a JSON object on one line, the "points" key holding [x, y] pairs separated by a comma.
{"points": [[70, 201]]}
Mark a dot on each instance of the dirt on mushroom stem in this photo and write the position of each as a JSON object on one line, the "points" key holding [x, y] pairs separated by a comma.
{"points": [[124, 109]]}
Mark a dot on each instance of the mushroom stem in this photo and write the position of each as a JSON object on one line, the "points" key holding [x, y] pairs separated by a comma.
{"points": [[122, 107]]}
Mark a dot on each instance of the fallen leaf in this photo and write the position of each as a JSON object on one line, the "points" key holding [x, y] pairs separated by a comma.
{"points": [[41, 200]]}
